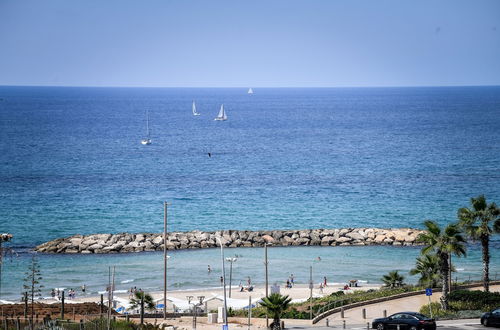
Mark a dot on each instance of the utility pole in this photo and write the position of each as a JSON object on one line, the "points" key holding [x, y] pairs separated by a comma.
{"points": [[311, 292], [165, 258], [266, 263]]}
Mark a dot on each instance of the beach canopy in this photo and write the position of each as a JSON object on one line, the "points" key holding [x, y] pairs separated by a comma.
{"points": [[179, 303]]}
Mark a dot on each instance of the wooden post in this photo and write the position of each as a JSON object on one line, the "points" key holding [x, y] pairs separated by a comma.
{"points": [[142, 309], [18, 324], [62, 305], [364, 313], [102, 304], [81, 324]]}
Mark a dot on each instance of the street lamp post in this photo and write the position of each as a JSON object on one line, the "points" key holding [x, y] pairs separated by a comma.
{"points": [[231, 260], [223, 278], [311, 291], [165, 258], [266, 264], [195, 307], [5, 237]]}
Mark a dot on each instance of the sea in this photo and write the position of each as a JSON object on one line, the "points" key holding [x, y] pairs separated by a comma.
{"points": [[71, 162]]}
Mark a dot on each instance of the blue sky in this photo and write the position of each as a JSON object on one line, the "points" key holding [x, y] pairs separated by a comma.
{"points": [[230, 43]]}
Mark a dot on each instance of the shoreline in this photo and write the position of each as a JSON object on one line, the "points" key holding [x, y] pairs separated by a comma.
{"points": [[141, 242]]}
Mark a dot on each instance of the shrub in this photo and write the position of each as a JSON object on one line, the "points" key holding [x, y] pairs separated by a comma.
{"points": [[437, 310], [474, 300]]}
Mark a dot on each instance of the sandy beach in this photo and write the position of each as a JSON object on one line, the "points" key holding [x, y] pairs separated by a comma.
{"points": [[213, 300]]}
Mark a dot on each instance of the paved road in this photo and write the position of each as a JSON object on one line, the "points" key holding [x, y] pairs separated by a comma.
{"points": [[442, 325]]}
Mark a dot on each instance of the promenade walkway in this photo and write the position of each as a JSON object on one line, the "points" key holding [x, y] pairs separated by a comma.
{"points": [[413, 303]]}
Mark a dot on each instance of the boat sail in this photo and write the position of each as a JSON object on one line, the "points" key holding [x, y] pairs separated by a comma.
{"points": [[195, 113], [147, 141], [222, 114], [250, 91]]}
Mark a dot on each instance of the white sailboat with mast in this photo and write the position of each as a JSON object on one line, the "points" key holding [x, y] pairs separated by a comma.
{"points": [[250, 91], [222, 114], [195, 113], [147, 140]]}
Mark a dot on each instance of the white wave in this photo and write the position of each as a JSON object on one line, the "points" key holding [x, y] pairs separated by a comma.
{"points": [[127, 281], [460, 269]]}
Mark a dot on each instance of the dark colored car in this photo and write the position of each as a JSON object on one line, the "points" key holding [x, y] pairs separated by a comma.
{"points": [[405, 321], [491, 318]]}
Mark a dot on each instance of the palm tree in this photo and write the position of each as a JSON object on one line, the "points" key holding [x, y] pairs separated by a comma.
{"points": [[135, 302], [275, 304], [443, 243], [393, 279], [479, 223], [427, 266]]}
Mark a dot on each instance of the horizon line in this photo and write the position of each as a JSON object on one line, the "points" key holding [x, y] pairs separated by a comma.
{"points": [[245, 87]]}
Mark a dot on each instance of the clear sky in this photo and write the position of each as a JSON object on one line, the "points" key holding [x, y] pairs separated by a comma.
{"points": [[229, 43]]}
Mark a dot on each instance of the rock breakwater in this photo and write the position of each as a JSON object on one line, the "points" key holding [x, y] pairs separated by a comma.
{"points": [[126, 242]]}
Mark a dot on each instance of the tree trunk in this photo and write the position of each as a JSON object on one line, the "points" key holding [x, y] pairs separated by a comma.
{"points": [[485, 243], [276, 324], [444, 265]]}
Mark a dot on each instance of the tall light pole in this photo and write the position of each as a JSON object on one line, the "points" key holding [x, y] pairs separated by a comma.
{"points": [[266, 263], [231, 260], [223, 278], [311, 291], [3, 238], [165, 258]]}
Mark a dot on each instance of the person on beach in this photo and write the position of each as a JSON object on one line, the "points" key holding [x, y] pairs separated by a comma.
{"points": [[222, 281], [83, 288], [209, 269], [249, 282], [292, 281], [288, 284], [325, 284], [321, 288], [318, 258]]}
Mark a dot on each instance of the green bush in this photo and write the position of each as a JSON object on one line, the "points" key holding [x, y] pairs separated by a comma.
{"points": [[437, 310], [474, 300]]}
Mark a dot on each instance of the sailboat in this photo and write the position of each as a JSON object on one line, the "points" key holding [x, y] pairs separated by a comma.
{"points": [[147, 141], [222, 114], [250, 91], [195, 113]]}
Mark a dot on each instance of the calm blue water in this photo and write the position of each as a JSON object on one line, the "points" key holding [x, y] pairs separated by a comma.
{"points": [[71, 159]]}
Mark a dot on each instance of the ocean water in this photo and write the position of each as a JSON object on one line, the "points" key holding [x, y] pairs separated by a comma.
{"points": [[71, 160]]}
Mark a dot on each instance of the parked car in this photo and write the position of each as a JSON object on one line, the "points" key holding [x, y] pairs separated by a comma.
{"points": [[491, 318], [406, 321]]}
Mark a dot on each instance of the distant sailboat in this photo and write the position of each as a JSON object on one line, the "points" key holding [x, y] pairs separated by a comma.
{"points": [[250, 91], [147, 141], [195, 113], [222, 114]]}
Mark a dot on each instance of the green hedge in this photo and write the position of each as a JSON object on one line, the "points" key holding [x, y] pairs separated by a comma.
{"points": [[474, 300]]}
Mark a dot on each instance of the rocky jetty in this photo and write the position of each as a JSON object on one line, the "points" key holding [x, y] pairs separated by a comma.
{"points": [[125, 242]]}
